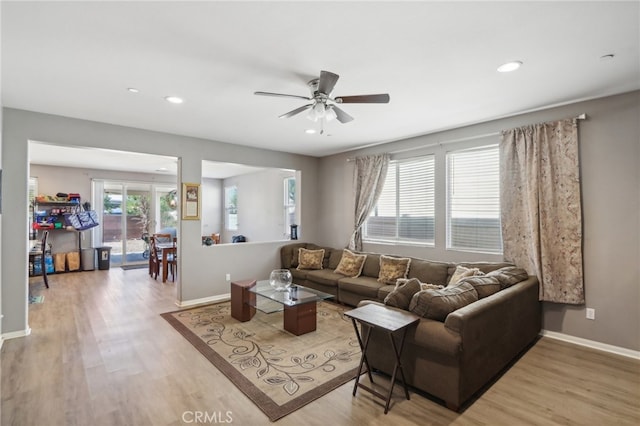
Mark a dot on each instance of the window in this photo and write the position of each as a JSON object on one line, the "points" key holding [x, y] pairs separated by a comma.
{"points": [[473, 200], [405, 210], [231, 207], [289, 204]]}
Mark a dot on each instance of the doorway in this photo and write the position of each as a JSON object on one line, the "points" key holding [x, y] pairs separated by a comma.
{"points": [[131, 211]]}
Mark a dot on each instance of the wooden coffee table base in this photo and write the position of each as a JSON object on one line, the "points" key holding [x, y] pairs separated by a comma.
{"points": [[300, 319], [242, 300]]}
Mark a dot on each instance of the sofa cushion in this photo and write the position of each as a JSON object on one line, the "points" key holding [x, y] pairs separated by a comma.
{"points": [[351, 264], [509, 275], [324, 277], [310, 259], [437, 304], [372, 265], [462, 272], [335, 255], [289, 255], [401, 296], [367, 287], [428, 271], [392, 268], [485, 285], [299, 276]]}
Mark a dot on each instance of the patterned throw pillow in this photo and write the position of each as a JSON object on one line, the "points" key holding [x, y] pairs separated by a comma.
{"points": [[310, 259], [351, 264], [401, 296], [425, 286], [392, 268], [463, 272]]}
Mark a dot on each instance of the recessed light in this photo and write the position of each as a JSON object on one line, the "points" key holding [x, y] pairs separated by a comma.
{"points": [[173, 99], [133, 90], [162, 169], [310, 131], [510, 66]]}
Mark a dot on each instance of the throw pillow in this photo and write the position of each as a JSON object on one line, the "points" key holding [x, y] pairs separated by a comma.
{"points": [[462, 272], [509, 275], [310, 259], [392, 268], [351, 264], [485, 285], [401, 296], [425, 286], [437, 304]]}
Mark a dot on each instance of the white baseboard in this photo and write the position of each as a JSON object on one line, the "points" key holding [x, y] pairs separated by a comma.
{"points": [[16, 334], [204, 300], [592, 344]]}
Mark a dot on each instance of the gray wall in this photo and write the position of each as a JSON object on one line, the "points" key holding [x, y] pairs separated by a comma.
{"points": [[259, 192], [211, 206], [203, 269], [609, 153]]}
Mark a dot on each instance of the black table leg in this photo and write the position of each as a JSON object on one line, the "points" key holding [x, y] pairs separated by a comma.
{"points": [[398, 353], [363, 357]]}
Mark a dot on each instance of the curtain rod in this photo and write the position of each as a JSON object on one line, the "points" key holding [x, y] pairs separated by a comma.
{"points": [[582, 116]]}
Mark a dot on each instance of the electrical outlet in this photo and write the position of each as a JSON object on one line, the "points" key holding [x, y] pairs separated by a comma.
{"points": [[228, 277], [591, 313]]}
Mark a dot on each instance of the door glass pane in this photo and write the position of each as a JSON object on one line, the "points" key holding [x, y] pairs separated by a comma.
{"points": [[112, 220], [138, 219]]}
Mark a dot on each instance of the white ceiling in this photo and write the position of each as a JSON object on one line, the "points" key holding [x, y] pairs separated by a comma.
{"points": [[437, 60]]}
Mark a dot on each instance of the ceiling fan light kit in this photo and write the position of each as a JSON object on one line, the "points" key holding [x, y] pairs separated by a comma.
{"points": [[323, 107]]}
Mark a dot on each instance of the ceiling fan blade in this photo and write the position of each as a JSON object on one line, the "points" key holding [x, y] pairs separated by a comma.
{"points": [[295, 111], [281, 95], [341, 116], [327, 82], [382, 98]]}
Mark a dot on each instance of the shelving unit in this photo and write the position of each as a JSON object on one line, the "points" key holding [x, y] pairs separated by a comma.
{"points": [[50, 215]]}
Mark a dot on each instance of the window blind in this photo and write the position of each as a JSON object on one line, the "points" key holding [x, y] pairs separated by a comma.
{"points": [[473, 200], [405, 209]]}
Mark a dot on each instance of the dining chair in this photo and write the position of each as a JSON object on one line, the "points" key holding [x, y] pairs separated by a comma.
{"points": [[172, 259], [154, 260]]}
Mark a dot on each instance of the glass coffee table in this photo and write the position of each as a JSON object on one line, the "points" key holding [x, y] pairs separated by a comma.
{"points": [[298, 303]]}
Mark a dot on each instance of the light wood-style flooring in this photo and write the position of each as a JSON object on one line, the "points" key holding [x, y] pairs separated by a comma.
{"points": [[100, 354]]}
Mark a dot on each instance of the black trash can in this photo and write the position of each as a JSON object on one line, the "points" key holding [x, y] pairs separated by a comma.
{"points": [[104, 257]]}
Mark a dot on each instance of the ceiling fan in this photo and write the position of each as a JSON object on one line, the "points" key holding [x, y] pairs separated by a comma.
{"points": [[323, 106]]}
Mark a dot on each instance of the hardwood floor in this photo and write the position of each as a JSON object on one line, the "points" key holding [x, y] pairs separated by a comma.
{"points": [[100, 354]]}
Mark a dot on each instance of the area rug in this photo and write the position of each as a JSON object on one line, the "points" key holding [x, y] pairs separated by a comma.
{"points": [[278, 371]]}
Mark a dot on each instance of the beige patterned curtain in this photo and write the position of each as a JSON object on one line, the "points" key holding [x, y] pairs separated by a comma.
{"points": [[369, 176], [541, 207]]}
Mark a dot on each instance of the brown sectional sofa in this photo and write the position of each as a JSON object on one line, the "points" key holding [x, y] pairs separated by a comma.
{"points": [[451, 360]]}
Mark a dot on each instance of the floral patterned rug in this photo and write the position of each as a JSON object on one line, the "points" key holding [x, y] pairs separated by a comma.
{"points": [[278, 371]]}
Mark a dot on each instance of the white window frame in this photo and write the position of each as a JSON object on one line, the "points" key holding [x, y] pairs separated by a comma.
{"points": [[230, 211], [289, 205]]}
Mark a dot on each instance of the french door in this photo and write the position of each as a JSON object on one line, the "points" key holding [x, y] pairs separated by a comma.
{"points": [[130, 212]]}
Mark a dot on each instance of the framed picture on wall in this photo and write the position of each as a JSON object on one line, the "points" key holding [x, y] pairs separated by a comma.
{"points": [[191, 200]]}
